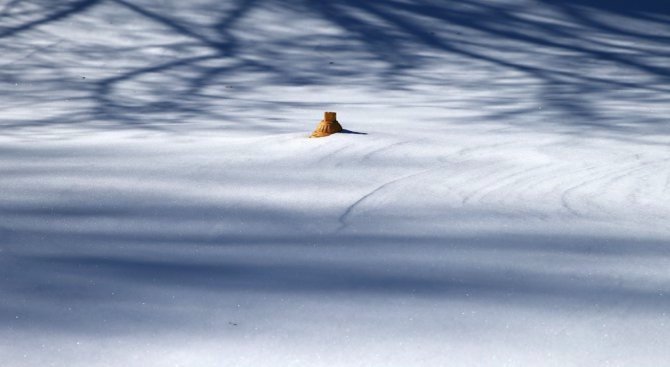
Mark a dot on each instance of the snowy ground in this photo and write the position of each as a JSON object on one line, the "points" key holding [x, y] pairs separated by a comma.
{"points": [[506, 202]]}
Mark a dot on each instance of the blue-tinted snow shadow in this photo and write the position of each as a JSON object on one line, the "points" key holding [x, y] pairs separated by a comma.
{"points": [[51, 262], [346, 131], [558, 64], [132, 275]]}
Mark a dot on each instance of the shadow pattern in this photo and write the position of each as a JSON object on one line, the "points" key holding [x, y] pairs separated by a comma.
{"points": [[578, 66]]}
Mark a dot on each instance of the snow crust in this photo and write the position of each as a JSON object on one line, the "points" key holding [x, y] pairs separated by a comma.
{"points": [[502, 196]]}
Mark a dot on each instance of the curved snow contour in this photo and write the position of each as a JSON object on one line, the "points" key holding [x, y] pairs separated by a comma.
{"points": [[347, 213]]}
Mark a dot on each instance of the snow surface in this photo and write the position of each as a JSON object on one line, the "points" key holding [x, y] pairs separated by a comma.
{"points": [[503, 198]]}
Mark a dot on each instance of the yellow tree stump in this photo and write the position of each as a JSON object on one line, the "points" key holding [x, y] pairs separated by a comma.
{"points": [[327, 126]]}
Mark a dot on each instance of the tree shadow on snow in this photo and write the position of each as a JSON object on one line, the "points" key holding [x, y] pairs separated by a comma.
{"points": [[576, 66], [132, 274]]}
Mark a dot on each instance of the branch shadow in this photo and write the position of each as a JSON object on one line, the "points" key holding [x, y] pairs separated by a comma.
{"points": [[568, 66], [47, 270]]}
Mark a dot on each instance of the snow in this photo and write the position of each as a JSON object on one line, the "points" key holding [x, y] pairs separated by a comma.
{"points": [[505, 202]]}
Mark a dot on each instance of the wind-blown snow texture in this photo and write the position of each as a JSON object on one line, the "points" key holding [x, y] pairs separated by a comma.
{"points": [[508, 204]]}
